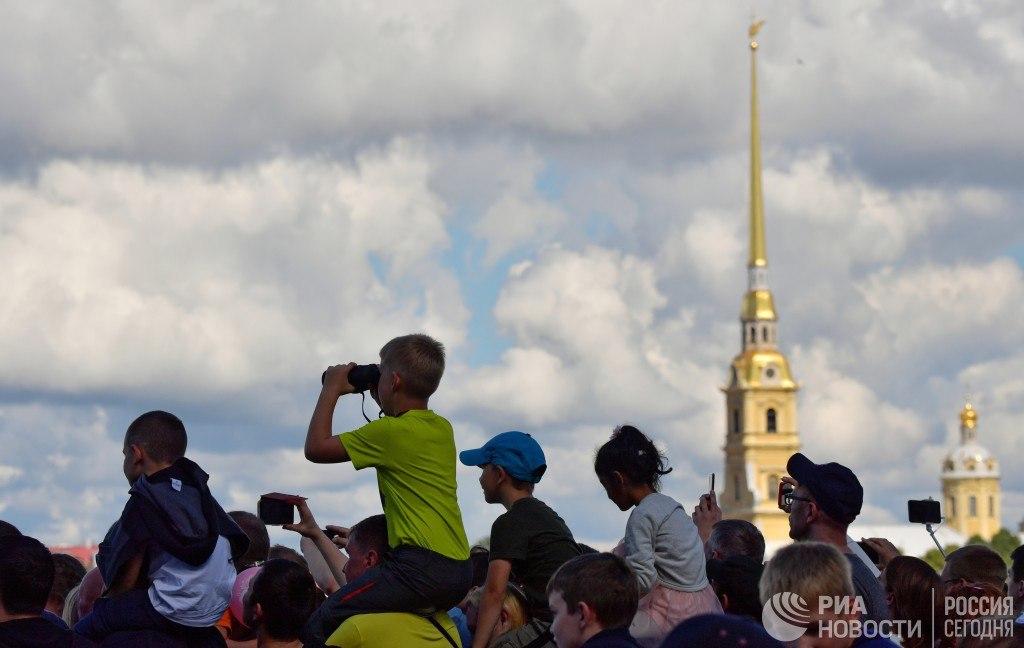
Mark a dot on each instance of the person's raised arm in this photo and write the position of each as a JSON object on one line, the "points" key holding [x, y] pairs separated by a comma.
{"points": [[491, 601], [307, 527], [706, 515], [321, 444]]}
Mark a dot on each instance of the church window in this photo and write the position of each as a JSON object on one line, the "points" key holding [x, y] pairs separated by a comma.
{"points": [[991, 506], [753, 334], [736, 486], [736, 421], [952, 506], [771, 423], [764, 334], [972, 506]]}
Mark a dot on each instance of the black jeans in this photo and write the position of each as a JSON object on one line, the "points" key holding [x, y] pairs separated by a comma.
{"points": [[133, 611], [411, 579]]}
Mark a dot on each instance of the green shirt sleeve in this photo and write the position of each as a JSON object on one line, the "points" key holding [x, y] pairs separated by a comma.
{"points": [[368, 446]]}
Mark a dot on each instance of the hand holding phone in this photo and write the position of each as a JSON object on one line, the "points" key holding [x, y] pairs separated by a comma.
{"points": [[707, 512], [277, 509]]}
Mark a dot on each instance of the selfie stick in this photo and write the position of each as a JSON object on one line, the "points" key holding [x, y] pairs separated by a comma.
{"points": [[931, 532]]}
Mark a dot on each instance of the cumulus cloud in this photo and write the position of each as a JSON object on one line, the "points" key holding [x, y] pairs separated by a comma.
{"points": [[170, 81], [202, 205], [127, 278], [919, 314]]}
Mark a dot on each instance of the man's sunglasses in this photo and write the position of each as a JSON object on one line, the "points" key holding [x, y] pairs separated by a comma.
{"points": [[787, 497]]}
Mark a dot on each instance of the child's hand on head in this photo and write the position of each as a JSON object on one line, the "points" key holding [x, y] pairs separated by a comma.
{"points": [[341, 535]]}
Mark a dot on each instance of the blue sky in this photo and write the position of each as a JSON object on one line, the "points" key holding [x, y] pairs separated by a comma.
{"points": [[202, 206]]}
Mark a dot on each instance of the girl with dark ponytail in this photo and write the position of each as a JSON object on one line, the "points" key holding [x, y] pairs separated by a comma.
{"points": [[661, 543]]}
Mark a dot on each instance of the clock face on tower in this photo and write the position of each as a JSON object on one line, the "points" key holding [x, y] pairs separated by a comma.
{"points": [[771, 373]]}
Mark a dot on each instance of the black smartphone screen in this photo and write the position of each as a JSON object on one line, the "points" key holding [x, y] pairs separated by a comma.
{"points": [[275, 512], [924, 511]]}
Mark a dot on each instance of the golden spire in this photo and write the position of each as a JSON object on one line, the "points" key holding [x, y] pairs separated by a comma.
{"points": [[757, 303], [758, 254]]}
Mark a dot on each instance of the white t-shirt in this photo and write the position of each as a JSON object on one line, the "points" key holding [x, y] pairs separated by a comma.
{"points": [[193, 596]]}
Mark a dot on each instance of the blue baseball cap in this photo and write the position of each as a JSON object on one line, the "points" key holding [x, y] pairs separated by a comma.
{"points": [[517, 452]]}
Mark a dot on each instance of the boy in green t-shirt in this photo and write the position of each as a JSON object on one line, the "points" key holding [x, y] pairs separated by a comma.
{"points": [[413, 451]]}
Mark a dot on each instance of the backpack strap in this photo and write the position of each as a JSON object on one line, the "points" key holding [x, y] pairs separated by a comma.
{"points": [[543, 639], [443, 632]]}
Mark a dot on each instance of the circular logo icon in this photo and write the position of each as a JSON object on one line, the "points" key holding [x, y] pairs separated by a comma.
{"points": [[785, 616]]}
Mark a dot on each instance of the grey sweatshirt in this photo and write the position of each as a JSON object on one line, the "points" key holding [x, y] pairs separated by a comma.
{"points": [[662, 546]]}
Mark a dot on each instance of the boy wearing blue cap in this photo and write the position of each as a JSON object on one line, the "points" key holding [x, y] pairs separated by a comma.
{"points": [[529, 542]]}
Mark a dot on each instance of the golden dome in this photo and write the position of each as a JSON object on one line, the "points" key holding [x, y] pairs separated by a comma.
{"points": [[968, 417], [758, 305], [761, 368]]}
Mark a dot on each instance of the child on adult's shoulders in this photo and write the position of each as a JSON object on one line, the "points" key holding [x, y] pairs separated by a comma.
{"points": [[413, 451], [168, 560], [529, 541]]}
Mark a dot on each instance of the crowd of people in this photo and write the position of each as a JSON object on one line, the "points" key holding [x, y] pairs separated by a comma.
{"points": [[175, 569]]}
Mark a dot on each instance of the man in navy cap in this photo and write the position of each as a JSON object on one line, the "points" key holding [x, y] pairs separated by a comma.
{"points": [[826, 499], [529, 542]]}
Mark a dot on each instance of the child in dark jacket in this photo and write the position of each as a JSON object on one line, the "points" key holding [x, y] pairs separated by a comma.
{"points": [[168, 560]]}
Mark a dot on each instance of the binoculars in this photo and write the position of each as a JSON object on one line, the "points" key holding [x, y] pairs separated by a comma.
{"points": [[362, 377]]}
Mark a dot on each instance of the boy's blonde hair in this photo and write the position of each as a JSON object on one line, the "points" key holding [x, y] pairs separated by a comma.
{"points": [[418, 359], [809, 569]]}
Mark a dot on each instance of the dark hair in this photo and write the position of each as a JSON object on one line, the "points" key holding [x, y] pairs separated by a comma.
{"points": [[281, 552], [259, 539], [418, 359], [26, 574], [631, 453], [1017, 563], [287, 596], [8, 529], [371, 534], [736, 538], [976, 564], [519, 484], [604, 582], [68, 572], [737, 578], [481, 562], [161, 434], [917, 595]]}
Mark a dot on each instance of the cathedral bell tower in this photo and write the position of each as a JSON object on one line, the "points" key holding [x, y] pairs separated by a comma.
{"points": [[760, 397]]}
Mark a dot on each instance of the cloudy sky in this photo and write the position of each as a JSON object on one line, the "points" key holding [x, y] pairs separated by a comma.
{"points": [[202, 207]]}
